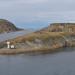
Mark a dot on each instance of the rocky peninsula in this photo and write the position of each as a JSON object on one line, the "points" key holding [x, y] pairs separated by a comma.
{"points": [[46, 40]]}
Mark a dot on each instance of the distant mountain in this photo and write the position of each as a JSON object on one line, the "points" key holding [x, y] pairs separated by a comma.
{"points": [[6, 26]]}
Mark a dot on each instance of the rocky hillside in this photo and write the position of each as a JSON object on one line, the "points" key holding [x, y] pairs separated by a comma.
{"points": [[6, 26], [60, 27], [46, 40], [54, 35]]}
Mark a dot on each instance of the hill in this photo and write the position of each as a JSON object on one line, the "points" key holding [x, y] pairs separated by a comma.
{"points": [[6, 26]]}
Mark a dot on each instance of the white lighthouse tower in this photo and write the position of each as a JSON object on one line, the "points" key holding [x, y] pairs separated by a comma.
{"points": [[8, 44]]}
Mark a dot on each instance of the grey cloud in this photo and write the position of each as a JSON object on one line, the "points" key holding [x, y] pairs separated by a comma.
{"points": [[38, 10]]}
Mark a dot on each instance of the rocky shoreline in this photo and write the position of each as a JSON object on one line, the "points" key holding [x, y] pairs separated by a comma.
{"points": [[39, 46], [29, 50], [54, 49]]}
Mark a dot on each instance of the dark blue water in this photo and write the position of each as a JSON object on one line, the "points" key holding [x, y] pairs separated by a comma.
{"points": [[62, 63]]}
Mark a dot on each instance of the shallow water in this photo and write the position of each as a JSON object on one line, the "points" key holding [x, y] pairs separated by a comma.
{"points": [[62, 63]]}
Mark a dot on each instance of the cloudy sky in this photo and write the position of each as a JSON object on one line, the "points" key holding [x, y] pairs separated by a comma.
{"points": [[37, 13]]}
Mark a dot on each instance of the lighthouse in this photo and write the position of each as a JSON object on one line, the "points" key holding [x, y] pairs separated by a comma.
{"points": [[8, 44]]}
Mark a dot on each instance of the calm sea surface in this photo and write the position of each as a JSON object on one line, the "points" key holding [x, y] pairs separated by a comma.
{"points": [[62, 63]]}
